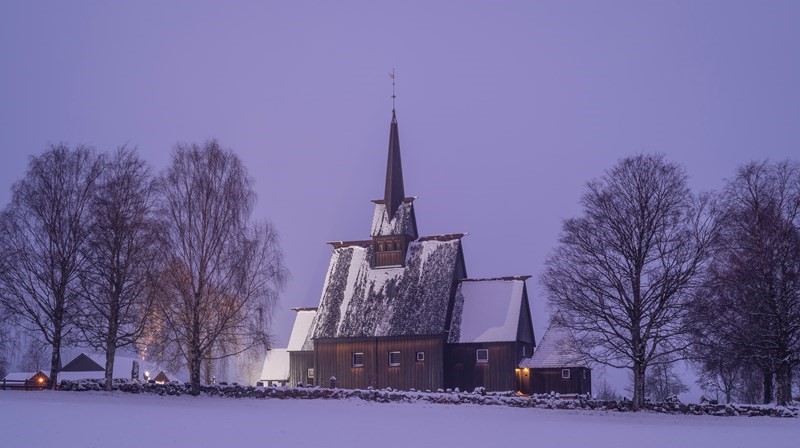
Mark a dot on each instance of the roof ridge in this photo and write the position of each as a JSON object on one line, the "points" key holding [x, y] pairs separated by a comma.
{"points": [[494, 279]]}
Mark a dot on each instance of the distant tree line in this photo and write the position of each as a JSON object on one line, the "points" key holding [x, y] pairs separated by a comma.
{"points": [[652, 273], [96, 250]]}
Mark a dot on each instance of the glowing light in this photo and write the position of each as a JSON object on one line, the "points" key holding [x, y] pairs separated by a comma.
{"points": [[41, 380]]}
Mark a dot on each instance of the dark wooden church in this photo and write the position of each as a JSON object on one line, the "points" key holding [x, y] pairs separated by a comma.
{"points": [[397, 310]]}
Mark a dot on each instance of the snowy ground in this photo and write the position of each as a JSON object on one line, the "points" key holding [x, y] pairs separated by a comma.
{"points": [[97, 419]]}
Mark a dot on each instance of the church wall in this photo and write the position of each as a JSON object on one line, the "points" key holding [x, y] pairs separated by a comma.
{"points": [[299, 363], [334, 357], [498, 374]]}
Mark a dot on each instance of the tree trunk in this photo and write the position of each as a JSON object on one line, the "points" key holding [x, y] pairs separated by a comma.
{"points": [[767, 385], [111, 344], [111, 349], [638, 386], [195, 363], [55, 362], [783, 383]]}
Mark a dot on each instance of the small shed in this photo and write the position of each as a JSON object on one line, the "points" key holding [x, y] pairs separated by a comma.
{"points": [[556, 365], [25, 380], [276, 367]]}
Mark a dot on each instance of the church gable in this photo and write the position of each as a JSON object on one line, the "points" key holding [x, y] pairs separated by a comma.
{"points": [[361, 301], [489, 310]]}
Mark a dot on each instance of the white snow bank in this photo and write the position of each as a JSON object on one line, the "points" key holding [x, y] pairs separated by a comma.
{"points": [[97, 419]]}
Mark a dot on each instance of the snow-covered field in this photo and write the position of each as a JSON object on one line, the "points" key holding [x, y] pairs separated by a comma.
{"points": [[97, 419]]}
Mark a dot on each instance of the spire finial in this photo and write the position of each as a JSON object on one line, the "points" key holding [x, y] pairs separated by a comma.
{"points": [[391, 75]]}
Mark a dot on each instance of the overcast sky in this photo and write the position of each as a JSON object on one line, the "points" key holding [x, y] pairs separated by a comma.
{"points": [[506, 109]]}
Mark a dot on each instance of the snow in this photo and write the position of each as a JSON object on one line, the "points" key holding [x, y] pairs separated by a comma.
{"points": [[490, 311], [403, 222], [302, 324], [98, 419], [276, 365], [359, 301], [555, 349], [19, 376]]}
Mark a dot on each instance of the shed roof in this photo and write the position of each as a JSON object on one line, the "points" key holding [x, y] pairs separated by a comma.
{"points": [[488, 310], [556, 349], [82, 363], [22, 376], [276, 365]]}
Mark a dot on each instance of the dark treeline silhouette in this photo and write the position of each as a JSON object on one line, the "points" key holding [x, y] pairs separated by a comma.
{"points": [[95, 250]]}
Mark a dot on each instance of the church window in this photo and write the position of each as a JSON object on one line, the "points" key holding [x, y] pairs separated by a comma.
{"points": [[358, 360], [420, 356], [394, 359], [482, 355], [565, 374]]}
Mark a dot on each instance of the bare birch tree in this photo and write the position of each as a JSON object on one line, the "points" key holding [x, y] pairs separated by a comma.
{"points": [[222, 275], [623, 272], [750, 308], [121, 255], [41, 233]]}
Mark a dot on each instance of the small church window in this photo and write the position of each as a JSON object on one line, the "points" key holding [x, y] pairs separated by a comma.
{"points": [[310, 373], [397, 245], [482, 355], [420, 356], [394, 359], [380, 247], [565, 374], [524, 350], [358, 360]]}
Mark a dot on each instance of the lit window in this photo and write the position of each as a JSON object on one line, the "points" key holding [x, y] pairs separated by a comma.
{"points": [[311, 373], [482, 355], [358, 360], [394, 358], [565, 374], [420, 356]]}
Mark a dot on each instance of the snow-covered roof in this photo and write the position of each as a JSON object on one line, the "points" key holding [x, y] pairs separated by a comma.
{"points": [[402, 223], [276, 365], [21, 376], [359, 301], [487, 310], [556, 349], [300, 330]]}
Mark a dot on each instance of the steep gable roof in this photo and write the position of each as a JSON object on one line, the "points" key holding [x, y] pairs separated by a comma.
{"points": [[82, 363], [300, 330], [490, 310], [361, 301], [556, 349]]}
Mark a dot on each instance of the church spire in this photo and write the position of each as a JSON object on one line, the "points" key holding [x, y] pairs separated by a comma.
{"points": [[394, 194]]}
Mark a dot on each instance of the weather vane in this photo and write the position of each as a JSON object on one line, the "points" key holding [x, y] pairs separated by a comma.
{"points": [[391, 75]]}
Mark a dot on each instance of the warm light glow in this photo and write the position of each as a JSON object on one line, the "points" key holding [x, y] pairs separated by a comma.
{"points": [[41, 380], [526, 370]]}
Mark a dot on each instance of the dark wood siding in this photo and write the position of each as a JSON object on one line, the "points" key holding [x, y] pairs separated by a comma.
{"points": [[499, 374], [299, 363], [334, 358], [544, 381]]}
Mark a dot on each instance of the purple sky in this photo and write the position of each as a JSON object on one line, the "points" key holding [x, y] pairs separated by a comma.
{"points": [[505, 112]]}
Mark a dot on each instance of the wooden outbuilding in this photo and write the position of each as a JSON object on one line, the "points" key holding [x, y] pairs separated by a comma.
{"points": [[556, 364]]}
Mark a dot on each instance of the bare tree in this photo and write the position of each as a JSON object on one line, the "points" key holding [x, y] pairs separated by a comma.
{"points": [[41, 233], [623, 272], [222, 276], [662, 382], [750, 308], [121, 257]]}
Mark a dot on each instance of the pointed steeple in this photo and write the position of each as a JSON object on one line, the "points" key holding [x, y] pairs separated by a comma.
{"points": [[394, 194]]}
